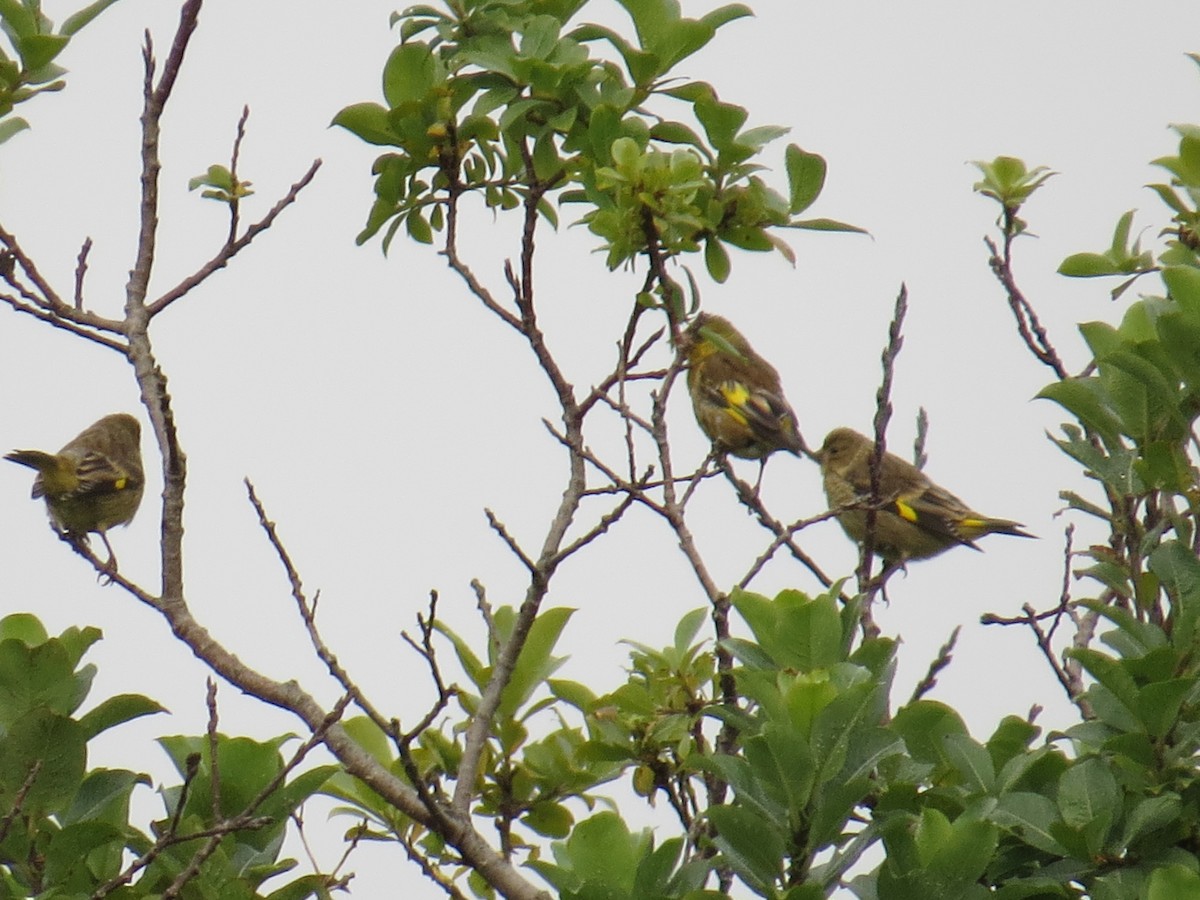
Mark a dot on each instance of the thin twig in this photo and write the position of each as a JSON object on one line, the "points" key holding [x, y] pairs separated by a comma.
{"points": [[235, 198], [214, 744], [231, 248], [81, 267], [944, 656], [50, 300], [485, 612], [426, 651], [308, 614], [883, 414], [1028, 326], [500, 529], [19, 798]]}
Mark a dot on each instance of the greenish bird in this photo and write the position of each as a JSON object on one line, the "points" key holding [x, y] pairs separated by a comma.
{"points": [[735, 393], [94, 483], [917, 519]]}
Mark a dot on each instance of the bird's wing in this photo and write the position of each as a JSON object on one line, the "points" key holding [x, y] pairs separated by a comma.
{"points": [[770, 415], [934, 510], [765, 413], [99, 474]]}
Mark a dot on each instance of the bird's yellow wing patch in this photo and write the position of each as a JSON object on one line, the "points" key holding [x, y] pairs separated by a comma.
{"points": [[906, 512], [736, 395]]}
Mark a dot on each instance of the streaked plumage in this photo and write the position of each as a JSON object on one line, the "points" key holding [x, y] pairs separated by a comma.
{"points": [[736, 394], [918, 519], [93, 483]]}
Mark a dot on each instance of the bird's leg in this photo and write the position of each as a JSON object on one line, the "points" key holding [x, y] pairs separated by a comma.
{"points": [[890, 568], [762, 467], [109, 569], [877, 584]]}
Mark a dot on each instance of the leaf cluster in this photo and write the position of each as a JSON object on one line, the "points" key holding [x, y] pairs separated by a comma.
{"points": [[65, 829], [27, 67], [510, 102]]}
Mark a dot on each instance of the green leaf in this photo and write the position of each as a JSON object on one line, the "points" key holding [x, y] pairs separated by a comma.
{"points": [[1029, 816], [826, 225], [961, 859], [675, 133], [1087, 793], [1102, 338], [116, 711], [540, 37], [32, 678], [76, 641], [781, 762], [1011, 738], [1088, 265], [688, 627], [721, 121], [837, 799], [924, 725], [23, 627], [1159, 704], [1111, 674], [1180, 337], [55, 744], [796, 631], [79, 19], [1176, 565], [535, 664], [549, 819], [1183, 283], [751, 844], [19, 17], [369, 122], [1120, 239], [1116, 467], [418, 227], [1173, 882], [806, 178], [716, 259], [1087, 401], [410, 74], [37, 50], [724, 14], [854, 712], [972, 761], [104, 795], [11, 126], [546, 162], [602, 849], [68, 854], [1150, 815]]}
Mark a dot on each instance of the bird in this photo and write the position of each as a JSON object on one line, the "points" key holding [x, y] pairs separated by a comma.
{"points": [[93, 483], [916, 518], [736, 394]]}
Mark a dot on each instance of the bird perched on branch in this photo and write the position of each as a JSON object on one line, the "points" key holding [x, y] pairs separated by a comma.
{"points": [[736, 393], [93, 483], [916, 519]]}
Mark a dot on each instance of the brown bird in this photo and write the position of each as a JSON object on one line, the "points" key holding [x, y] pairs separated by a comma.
{"points": [[917, 519], [736, 394], [93, 483]]}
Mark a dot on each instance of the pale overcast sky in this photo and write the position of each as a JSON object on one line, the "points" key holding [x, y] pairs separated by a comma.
{"points": [[378, 409]]}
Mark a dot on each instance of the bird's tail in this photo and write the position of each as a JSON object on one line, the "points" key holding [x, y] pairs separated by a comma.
{"points": [[977, 527], [34, 459], [55, 475]]}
